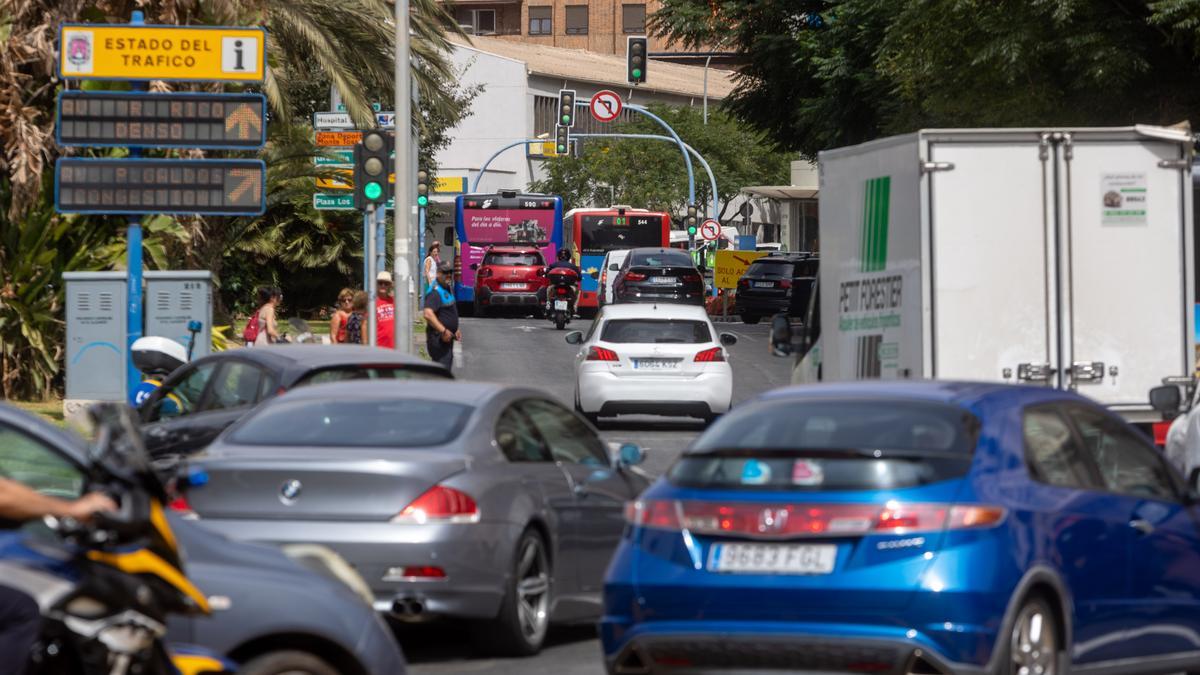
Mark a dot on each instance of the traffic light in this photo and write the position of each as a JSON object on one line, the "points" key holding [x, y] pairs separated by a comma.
{"points": [[566, 107], [371, 160], [635, 59], [693, 225], [562, 139], [422, 188]]}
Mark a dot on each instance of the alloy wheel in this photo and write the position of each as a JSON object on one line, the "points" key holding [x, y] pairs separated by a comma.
{"points": [[533, 591], [1034, 647]]}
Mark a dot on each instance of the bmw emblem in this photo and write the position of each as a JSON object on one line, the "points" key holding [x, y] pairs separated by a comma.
{"points": [[290, 491]]}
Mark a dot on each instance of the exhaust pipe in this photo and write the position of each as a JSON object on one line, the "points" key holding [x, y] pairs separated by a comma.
{"points": [[408, 609]]}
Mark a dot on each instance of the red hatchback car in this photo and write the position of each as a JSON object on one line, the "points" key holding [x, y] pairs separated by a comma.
{"points": [[510, 276]]}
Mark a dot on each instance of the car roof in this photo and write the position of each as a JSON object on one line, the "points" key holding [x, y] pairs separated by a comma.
{"points": [[31, 424], [617, 253], [320, 355], [646, 310], [952, 392], [467, 393]]}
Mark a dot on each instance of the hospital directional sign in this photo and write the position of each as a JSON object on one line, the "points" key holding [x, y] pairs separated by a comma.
{"points": [[222, 187], [138, 119], [98, 51]]}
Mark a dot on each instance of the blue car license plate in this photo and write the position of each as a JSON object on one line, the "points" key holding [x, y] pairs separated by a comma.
{"points": [[772, 558]]}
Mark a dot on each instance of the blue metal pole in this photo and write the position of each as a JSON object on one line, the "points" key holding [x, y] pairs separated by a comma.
{"points": [[421, 280], [483, 169], [712, 181], [367, 278], [133, 247], [682, 149]]}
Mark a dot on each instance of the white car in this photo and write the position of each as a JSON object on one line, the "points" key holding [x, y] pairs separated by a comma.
{"points": [[608, 274], [652, 359]]}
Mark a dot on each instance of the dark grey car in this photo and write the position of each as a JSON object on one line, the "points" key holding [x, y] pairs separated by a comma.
{"points": [[270, 614], [480, 501]]}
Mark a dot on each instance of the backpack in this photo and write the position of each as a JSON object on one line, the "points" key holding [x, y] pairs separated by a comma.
{"points": [[250, 332]]}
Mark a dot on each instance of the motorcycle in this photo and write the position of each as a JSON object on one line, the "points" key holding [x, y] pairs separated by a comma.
{"points": [[560, 295], [105, 587]]}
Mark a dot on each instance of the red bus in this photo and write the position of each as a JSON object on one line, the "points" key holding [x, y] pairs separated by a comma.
{"points": [[592, 233]]}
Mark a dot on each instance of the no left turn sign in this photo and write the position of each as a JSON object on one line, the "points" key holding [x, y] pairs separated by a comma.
{"points": [[710, 230], [606, 105]]}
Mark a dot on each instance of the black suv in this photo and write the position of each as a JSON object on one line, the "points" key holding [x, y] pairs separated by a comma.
{"points": [[779, 282]]}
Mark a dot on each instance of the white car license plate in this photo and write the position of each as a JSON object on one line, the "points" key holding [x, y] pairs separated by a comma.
{"points": [[772, 558], [662, 280], [560, 305], [764, 284], [512, 287], [655, 364]]}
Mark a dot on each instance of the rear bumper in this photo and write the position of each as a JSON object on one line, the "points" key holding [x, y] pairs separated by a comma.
{"points": [[649, 295], [712, 647], [748, 303], [487, 296], [607, 394], [476, 558]]}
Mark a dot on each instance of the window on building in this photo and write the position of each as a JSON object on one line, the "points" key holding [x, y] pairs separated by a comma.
{"points": [[477, 21], [540, 22], [633, 18], [577, 19]]}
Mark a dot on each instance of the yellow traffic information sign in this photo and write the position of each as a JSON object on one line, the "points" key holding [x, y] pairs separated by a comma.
{"points": [[134, 52], [731, 265]]}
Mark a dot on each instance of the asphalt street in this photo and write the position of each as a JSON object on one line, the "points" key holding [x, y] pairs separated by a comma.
{"points": [[531, 352]]}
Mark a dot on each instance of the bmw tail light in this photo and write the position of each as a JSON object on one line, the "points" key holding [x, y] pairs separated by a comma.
{"points": [[691, 278], [1160, 430], [601, 354], [710, 355], [635, 276], [743, 283], [784, 283], [440, 504], [808, 520]]}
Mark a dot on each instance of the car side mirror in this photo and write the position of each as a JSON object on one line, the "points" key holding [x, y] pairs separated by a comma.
{"points": [[542, 272], [574, 338], [614, 267], [1166, 399], [630, 454], [474, 266], [728, 339], [781, 335], [594, 275]]}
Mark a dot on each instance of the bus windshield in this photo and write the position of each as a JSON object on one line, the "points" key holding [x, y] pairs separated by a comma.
{"points": [[600, 234]]}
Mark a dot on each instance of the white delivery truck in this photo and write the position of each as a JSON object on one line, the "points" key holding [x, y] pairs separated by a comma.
{"points": [[1058, 257]]}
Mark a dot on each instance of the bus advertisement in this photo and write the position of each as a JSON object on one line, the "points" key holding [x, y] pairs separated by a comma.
{"points": [[481, 221], [595, 232]]}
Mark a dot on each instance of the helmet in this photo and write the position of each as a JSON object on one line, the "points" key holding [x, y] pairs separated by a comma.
{"points": [[154, 355], [564, 255]]}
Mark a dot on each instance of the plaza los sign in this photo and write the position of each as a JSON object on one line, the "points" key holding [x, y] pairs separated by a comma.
{"points": [[137, 52]]}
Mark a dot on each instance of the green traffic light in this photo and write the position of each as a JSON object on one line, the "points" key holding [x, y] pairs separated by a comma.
{"points": [[373, 190], [566, 118], [637, 72], [422, 200], [692, 230]]}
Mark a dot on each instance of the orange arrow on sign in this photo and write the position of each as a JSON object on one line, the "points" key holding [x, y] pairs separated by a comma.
{"points": [[243, 118], [250, 182]]}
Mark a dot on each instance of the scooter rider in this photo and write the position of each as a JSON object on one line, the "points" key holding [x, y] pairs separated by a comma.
{"points": [[20, 616], [564, 262]]}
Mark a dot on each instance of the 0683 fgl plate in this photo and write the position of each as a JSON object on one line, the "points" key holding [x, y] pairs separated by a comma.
{"points": [[772, 558]]}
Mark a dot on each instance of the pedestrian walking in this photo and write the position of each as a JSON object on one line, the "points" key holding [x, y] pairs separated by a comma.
{"points": [[385, 311], [356, 323], [337, 323], [262, 329], [433, 258], [441, 317]]}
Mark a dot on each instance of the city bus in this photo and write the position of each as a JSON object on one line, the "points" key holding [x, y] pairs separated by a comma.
{"points": [[594, 232], [481, 221]]}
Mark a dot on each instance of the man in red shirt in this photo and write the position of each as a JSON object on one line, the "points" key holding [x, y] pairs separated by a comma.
{"points": [[385, 311]]}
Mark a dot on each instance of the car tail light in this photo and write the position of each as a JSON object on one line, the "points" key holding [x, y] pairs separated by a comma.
{"points": [[181, 506], [710, 355], [1160, 430], [784, 283], [604, 279], [743, 283], [440, 503], [811, 520], [424, 572], [601, 354], [691, 278], [635, 276]]}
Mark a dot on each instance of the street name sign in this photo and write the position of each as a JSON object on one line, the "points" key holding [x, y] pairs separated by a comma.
{"points": [[605, 105], [97, 51], [222, 187], [139, 119], [340, 202], [341, 158], [341, 120]]}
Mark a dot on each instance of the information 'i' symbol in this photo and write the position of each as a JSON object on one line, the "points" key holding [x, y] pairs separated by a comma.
{"points": [[237, 53]]}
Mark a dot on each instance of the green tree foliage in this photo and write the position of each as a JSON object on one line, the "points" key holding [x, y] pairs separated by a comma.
{"points": [[820, 74], [651, 173]]}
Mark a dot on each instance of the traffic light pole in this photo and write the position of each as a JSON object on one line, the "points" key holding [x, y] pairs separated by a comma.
{"points": [[712, 181], [483, 169], [403, 246], [373, 293], [682, 148]]}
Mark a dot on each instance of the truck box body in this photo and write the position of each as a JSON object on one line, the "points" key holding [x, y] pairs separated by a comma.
{"points": [[1060, 257]]}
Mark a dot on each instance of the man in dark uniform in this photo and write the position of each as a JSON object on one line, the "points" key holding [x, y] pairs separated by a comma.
{"points": [[441, 317], [20, 617]]}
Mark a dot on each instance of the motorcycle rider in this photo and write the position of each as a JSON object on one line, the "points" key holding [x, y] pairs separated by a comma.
{"points": [[20, 616], [564, 262]]}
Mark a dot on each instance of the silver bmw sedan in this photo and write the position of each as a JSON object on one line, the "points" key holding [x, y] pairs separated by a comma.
{"points": [[477, 501]]}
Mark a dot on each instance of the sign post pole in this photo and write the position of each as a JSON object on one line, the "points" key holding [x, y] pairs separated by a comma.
{"points": [[372, 287], [404, 298], [133, 263]]}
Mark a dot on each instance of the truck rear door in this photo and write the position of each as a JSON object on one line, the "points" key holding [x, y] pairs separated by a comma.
{"points": [[991, 245], [1125, 267]]}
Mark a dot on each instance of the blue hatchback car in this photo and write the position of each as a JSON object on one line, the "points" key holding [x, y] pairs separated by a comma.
{"points": [[918, 527]]}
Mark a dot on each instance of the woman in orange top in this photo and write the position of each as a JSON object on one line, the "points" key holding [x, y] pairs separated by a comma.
{"points": [[337, 324]]}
